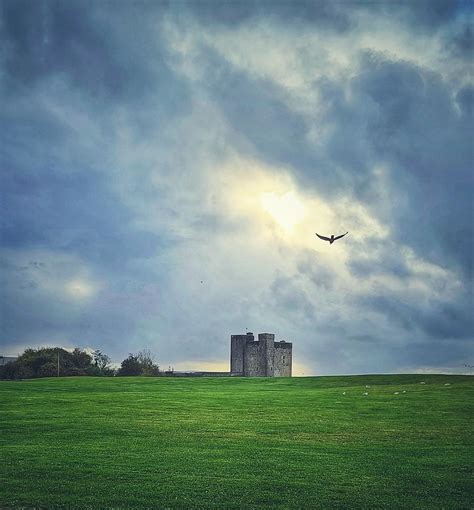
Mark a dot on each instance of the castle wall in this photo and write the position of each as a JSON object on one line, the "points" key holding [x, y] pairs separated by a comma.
{"points": [[282, 358], [253, 366]]}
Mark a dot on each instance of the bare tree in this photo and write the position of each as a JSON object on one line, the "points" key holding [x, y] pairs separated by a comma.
{"points": [[145, 358]]}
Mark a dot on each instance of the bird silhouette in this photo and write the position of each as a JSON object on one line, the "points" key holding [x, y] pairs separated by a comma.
{"points": [[332, 238]]}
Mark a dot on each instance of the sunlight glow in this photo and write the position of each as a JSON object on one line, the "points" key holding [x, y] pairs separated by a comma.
{"points": [[286, 210], [80, 289]]}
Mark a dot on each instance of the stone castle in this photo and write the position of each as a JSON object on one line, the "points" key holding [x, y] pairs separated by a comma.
{"points": [[261, 358]]}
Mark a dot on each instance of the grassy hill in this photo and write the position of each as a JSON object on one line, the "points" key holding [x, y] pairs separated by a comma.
{"points": [[238, 442]]}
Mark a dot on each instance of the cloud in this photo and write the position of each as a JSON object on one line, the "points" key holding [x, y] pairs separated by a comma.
{"points": [[324, 15], [165, 169]]}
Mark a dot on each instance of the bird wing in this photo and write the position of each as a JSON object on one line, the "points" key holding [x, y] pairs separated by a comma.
{"points": [[339, 237], [322, 237]]}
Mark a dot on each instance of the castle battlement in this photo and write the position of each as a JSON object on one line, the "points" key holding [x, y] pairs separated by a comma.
{"points": [[260, 358]]}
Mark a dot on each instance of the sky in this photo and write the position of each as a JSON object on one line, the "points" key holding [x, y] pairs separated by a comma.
{"points": [[165, 166]]}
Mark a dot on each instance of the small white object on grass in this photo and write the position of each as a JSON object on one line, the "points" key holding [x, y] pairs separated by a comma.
{"points": [[422, 382], [343, 392], [367, 386], [447, 384], [397, 393], [404, 391], [366, 393]]}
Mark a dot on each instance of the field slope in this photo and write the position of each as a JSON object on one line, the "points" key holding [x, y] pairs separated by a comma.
{"points": [[238, 443]]}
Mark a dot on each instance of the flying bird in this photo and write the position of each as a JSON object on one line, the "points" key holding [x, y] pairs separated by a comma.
{"points": [[332, 238]]}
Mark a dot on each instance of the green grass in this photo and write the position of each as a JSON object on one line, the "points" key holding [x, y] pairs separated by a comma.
{"points": [[238, 442]]}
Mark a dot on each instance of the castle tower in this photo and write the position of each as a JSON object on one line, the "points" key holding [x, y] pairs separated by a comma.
{"points": [[266, 341], [282, 359], [237, 350]]}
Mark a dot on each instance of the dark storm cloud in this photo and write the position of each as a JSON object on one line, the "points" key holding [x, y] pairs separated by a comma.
{"points": [[290, 299], [391, 265], [323, 15], [419, 133], [435, 320], [255, 110], [57, 187], [383, 259], [65, 37], [75, 212], [321, 276], [97, 53], [80, 78], [462, 42], [465, 100], [45, 37], [427, 15]]}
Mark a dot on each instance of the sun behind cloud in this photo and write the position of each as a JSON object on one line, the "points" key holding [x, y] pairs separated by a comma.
{"points": [[80, 289], [287, 210]]}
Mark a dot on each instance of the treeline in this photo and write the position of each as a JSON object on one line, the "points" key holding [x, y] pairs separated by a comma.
{"points": [[55, 361]]}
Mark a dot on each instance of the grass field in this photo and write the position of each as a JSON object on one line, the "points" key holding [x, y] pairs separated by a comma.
{"points": [[238, 442]]}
